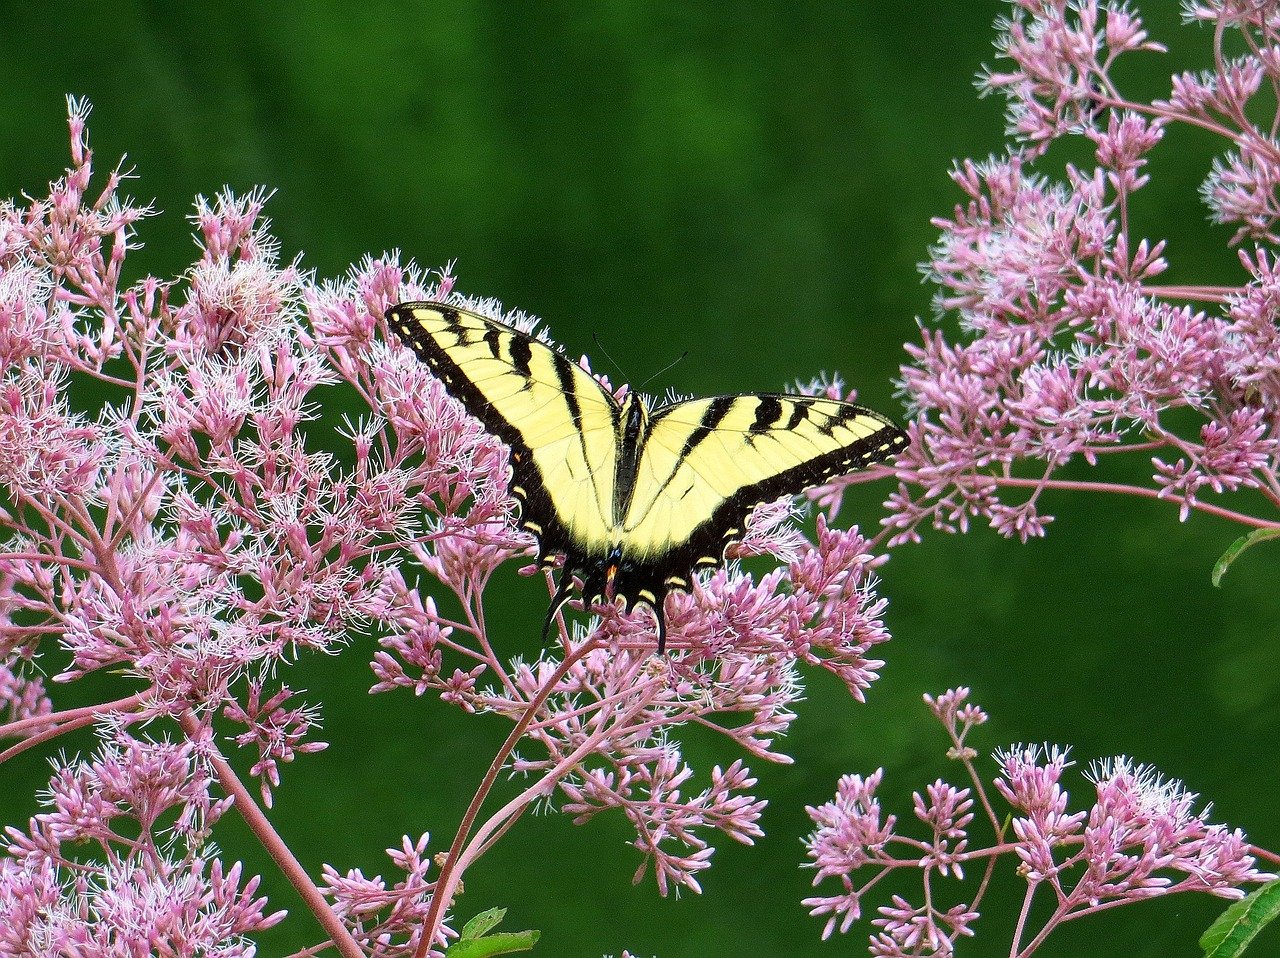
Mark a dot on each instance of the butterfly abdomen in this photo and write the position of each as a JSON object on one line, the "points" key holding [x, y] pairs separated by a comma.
{"points": [[635, 417]]}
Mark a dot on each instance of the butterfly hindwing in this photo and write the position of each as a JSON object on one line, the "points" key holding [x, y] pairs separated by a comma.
{"points": [[560, 424]]}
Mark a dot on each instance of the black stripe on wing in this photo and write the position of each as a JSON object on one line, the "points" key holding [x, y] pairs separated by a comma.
{"points": [[405, 324]]}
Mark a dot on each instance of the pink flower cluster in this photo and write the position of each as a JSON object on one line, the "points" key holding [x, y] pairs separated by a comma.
{"points": [[1070, 345], [169, 517], [121, 863], [1140, 838], [604, 719], [387, 920], [1071, 348]]}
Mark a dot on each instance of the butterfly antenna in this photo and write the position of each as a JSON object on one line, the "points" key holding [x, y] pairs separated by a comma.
{"points": [[664, 369], [616, 365]]}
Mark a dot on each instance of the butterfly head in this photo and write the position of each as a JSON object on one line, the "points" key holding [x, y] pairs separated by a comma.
{"points": [[635, 414]]}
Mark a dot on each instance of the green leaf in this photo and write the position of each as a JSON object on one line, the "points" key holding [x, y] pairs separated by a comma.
{"points": [[1230, 935], [502, 943], [483, 923], [1237, 547]]}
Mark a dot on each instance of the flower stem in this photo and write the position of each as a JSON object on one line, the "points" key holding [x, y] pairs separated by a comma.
{"points": [[1060, 915], [60, 729], [449, 873], [543, 786], [275, 846], [1264, 854], [1124, 489], [1022, 921], [22, 726]]}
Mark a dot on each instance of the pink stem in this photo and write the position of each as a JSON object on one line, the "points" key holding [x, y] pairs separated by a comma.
{"points": [[449, 874], [1059, 916], [543, 786], [1022, 921], [276, 848], [35, 721], [44, 736], [1123, 489], [1208, 294], [1264, 854]]}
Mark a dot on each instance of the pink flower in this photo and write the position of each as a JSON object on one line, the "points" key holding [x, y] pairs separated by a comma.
{"points": [[22, 696], [1068, 347], [947, 810], [919, 931], [387, 918], [857, 832], [278, 732], [106, 871], [1140, 838], [1143, 823]]}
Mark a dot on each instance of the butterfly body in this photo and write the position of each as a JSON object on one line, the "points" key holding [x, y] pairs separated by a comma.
{"points": [[636, 499]]}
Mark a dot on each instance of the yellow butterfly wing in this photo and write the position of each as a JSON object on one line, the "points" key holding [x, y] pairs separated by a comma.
{"points": [[707, 463], [561, 425]]}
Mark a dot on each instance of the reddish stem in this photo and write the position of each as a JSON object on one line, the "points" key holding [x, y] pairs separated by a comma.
{"points": [[36, 721], [1060, 915], [1207, 294], [447, 880], [1022, 920], [543, 786], [44, 736], [275, 846], [1264, 854], [1123, 489]]}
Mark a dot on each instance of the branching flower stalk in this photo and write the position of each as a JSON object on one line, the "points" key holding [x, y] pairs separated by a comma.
{"points": [[1071, 349], [1140, 839], [169, 523]]}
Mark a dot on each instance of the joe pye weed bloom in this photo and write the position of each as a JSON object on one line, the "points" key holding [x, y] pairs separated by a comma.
{"points": [[167, 518]]}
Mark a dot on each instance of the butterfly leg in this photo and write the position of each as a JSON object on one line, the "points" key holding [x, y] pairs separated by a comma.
{"points": [[561, 596], [661, 619]]}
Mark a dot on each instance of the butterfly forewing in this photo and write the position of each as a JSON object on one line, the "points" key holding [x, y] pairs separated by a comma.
{"points": [[707, 463], [562, 427]]}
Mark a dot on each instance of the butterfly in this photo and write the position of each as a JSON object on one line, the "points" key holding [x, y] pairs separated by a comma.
{"points": [[636, 497]]}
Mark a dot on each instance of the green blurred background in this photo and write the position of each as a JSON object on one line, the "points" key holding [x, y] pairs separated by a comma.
{"points": [[753, 184]]}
